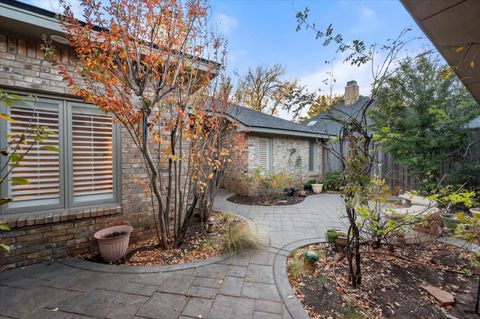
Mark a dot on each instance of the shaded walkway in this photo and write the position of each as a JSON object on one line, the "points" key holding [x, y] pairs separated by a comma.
{"points": [[251, 285]]}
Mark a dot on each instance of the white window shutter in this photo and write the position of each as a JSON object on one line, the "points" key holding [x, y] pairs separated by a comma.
{"points": [[92, 155], [40, 167], [264, 153]]}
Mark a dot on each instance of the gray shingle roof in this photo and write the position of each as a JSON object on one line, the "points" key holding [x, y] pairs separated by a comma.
{"points": [[256, 121], [322, 122]]}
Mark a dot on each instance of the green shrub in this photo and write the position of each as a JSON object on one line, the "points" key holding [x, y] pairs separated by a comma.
{"points": [[467, 174], [457, 199], [308, 184], [332, 181]]}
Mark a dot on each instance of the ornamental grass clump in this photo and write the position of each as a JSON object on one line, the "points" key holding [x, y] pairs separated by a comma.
{"points": [[241, 237]]}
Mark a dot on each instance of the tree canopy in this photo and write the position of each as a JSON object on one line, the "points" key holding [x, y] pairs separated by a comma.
{"points": [[420, 115], [266, 90]]}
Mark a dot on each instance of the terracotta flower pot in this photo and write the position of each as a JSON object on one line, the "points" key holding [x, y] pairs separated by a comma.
{"points": [[112, 246], [342, 239], [317, 188]]}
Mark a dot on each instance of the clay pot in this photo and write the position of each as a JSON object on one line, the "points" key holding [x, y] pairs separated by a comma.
{"points": [[342, 239], [317, 188], [115, 247]]}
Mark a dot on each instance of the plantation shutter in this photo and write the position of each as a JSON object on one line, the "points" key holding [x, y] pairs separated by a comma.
{"points": [[40, 166], [92, 156], [264, 154]]}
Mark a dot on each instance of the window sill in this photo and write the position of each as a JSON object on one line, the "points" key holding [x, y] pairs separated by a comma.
{"points": [[43, 218]]}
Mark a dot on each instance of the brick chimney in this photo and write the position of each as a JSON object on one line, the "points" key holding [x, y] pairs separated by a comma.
{"points": [[351, 92]]}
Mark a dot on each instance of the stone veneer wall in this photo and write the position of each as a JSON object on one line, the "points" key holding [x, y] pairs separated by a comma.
{"points": [[284, 160], [45, 236]]}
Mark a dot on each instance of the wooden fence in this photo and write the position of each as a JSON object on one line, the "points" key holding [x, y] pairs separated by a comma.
{"points": [[400, 179]]}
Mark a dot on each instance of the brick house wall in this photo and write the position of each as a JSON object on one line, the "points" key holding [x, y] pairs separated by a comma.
{"points": [[41, 236]]}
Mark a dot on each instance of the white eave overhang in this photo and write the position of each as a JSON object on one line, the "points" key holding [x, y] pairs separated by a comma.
{"points": [[273, 131], [13, 13]]}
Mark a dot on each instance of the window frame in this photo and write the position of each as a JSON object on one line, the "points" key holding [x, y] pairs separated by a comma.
{"points": [[312, 163], [91, 109], [269, 143], [65, 164]]}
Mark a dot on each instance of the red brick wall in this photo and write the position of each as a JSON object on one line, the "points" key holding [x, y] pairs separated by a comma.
{"points": [[42, 236]]}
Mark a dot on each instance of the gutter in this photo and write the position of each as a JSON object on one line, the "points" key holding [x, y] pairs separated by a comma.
{"points": [[282, 132], [26, 13], [29, 14]]}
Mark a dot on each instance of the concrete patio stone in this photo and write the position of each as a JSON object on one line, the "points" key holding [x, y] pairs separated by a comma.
{"points": [[247, 285], [163, 306]]}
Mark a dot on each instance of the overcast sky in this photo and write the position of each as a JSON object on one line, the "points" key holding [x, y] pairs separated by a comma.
{"points": [[262, 32]]}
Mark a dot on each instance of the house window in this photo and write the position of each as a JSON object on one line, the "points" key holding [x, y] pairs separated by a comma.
{"points": [[92, 155], [81, 173], [311, 156], [39, 166], [265, 154]]}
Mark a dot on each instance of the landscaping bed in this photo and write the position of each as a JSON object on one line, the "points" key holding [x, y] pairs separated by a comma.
{"points": [[280, 200], [198, 245], [392, 282]]}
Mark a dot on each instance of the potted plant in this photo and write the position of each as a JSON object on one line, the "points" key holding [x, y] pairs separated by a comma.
{"points": [[317, 188], [113, 242], [342, 239], [331, 236]]}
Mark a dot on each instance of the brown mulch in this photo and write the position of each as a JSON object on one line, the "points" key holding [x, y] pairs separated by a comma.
{"points": [[391, 283], [198, 245], [280, 200]]}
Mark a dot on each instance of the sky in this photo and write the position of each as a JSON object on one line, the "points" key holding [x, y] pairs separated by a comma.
{"points": [[263, 32]]}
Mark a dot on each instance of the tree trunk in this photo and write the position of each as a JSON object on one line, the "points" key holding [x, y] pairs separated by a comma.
{"points": [[154, 183], [353, 249], [186, 223]]}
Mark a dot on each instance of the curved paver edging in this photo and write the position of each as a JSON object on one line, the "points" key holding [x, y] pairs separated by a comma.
{"points": [[308, 198], [280, 275], [119, 269]]}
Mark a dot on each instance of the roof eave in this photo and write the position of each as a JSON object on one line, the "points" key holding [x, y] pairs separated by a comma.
{"points": [[273, 131], [45, 19], [27, 16]]}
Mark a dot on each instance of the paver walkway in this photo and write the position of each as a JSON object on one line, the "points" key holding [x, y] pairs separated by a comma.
{"points": [[250, 285]]}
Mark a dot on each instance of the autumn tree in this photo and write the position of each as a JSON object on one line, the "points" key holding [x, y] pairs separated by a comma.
{"points": [[320, 104], [359, 161], [151, 64], [264, 89]]}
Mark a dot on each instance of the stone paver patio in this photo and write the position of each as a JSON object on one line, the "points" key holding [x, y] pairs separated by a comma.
{"points": [[250, 285]]}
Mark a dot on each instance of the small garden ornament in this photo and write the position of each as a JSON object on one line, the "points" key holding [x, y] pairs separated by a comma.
{"points": [[310, 257]]}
